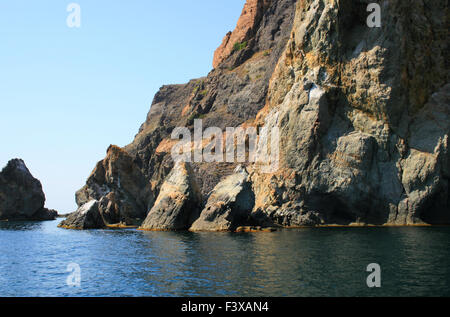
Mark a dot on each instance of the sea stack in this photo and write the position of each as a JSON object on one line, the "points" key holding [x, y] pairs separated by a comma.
{"points": [[21, 195]]}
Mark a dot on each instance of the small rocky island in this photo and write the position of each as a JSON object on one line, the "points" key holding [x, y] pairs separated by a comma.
{"points": [[21, 195]]}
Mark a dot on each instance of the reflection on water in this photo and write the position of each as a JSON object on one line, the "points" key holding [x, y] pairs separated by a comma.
{"points": [[20, 225], [307, 262]]}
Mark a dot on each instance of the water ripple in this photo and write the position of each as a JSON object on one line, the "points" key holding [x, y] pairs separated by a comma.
{"points": [[309, 262]]}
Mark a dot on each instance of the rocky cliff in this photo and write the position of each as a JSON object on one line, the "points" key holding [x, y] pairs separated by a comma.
{"points": [[363, 115], [21, 195]]}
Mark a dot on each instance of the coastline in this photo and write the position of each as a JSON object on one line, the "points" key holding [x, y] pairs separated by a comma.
{"points": [[270, 229]]}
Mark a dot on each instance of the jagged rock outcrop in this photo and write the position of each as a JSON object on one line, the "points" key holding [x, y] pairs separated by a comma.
{"points": [[178, 203], [363, 115], [86, 217], [229, 205], [119, 186], [21, 195]]}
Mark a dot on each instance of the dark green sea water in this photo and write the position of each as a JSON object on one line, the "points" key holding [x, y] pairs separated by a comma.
{"points": [[307, 262]]}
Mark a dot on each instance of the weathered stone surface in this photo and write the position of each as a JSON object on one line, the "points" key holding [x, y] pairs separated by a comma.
{"points": [[359, 141], [21, 195], [86, 217], [178, 203], [426, 167], [363, 115], [229, 205], [120, 187]]}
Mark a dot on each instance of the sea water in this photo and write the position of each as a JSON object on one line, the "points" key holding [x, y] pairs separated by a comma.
{"points": [[40, 259]]}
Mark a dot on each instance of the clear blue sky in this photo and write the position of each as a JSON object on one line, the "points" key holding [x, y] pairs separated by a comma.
{"points": [[66, 94]]}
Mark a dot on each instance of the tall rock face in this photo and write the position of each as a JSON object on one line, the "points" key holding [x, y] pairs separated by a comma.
{"points": [[21, 195], [363, 115], [231, 94]]}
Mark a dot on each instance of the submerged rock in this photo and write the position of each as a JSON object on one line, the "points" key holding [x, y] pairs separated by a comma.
{"points": [[21, 195], [177, 205], [251, 229], [229, 205], [86, 217]]}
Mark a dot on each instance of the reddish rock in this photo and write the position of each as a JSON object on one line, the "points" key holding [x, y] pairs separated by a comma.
{"points": [[245, 28]]}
